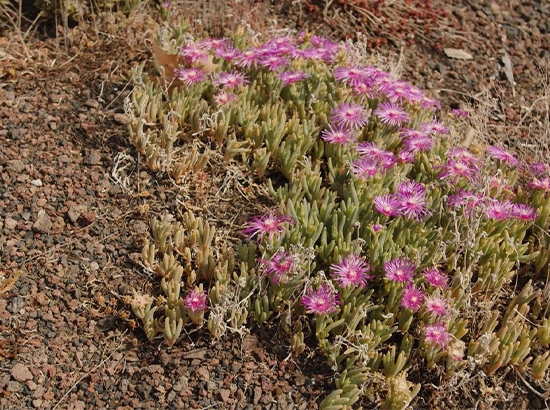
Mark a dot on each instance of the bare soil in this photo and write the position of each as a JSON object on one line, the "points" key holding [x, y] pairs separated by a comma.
{"points": [[70, 233]]}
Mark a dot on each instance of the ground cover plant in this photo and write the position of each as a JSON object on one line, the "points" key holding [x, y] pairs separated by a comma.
{"points": [[410, 258]]}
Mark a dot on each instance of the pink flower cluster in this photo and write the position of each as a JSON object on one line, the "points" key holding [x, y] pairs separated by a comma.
{"points": [[409, 200]]}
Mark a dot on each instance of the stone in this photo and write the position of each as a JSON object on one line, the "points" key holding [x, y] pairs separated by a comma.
{"points": [[92, 157], [42, 225], [21, 373]]}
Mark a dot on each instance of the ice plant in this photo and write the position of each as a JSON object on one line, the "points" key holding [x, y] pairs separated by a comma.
{"points": [[292, 77], [358, 164], [436, 305], [435, 278], [351, 271], [269, 225], [392, 114], [190, 76], [437, 335], [321, 301], [196, 303], [412, 298], [502, 155], [337, 134], [400, 270], [350, 115], [277, 266]]}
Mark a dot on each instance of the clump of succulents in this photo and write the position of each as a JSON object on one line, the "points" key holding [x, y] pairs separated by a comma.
{"points": [[405, 253]]}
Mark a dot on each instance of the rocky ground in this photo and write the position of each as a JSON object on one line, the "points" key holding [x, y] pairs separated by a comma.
{"points": [[70, 229]]}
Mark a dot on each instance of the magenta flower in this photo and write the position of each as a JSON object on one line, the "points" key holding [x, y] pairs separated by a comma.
{"points": [[428, 103], [370, 149], [434, 127], [190, 76], [230, 79], [435, 278], [542, 184], [436, 305], [269, 224], [405, 157], [292, 77], [470, 201], [338, 135], [392, 114], [459, 113], [500, 210], [321, 301], [247, 58], [437, 335], [192, 53], [502, 155], [387, 205], [228, 53], [538, 168], [463, 155], [523, 212], [224, 98], [350, 115], [411, 199], [400, 270], [351, 271], [412, 298], [273, 62], [350, 75], [454, 170], [195, 301], [276, 267], [365, 167], [423, 143]]}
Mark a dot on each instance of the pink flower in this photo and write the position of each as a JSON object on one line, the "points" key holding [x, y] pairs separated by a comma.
{"points": [[538, 168], [190, 76], [365, 167], [387, 205], [436, 305], [292, 77], [463, 155], [468, 199], [415, 141], [276, 267], [192, 53], [392, 114], [224, 98], [351, 271], [411, 199], [437, 335], [321, 301], [195, 301], [350, 75], [523, 212], [542, 184], [269, 224], [338, 135], [502, 155], [273, 62], [454, 170], [500, 210], [350, 115], [230, 79], [228, 53], [459, 113], [400, 270], [370, 149], [435, 278], [412, 298], [434, 127]]}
